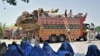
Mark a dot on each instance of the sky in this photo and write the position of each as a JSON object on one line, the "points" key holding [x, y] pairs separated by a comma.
{"points": [[11, 13]]}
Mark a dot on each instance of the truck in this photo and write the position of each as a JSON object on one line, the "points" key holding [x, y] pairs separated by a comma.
{"points": [[52, 26]]}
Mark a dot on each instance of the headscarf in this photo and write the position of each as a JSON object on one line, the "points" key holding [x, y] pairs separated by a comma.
{"points": [[65, 49], [36, 51], [26, 47], [48, 50], [3, 48], [93, 51], [12, 51]]}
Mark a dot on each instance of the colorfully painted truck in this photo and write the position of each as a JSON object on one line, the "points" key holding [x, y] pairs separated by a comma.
{"points": [[53, 26]]}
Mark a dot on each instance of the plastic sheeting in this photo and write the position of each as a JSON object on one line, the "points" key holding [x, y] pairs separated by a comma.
{"points": [[93, 51], [37, 51], [65, 49], [12, 51], [26, 47], [48, 50]]}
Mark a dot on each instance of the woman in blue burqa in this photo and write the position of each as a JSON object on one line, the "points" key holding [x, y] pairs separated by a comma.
{"points": [[14, 50], [26, 47], [48, 50], [3, 48], [65, 49], [36, 50], [93, 51]]}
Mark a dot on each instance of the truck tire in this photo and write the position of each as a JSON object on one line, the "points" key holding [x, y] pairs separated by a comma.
{"points": [[61, 38], [53, 38], [78, 39], [84, 38]]}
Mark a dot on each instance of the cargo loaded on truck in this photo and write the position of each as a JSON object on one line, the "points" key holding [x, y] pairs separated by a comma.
{"points": [[51, 25]]}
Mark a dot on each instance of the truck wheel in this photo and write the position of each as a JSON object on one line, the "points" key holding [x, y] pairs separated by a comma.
{"points": [[78, 39], [53, 38], [84, 38], [61, 38]]}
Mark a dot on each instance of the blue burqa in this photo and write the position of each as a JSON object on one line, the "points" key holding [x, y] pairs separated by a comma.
{"points": [[48, 50], [93, 51], [3, 48], [65, 49], [26, 47], [36, 51], [12, 51]]}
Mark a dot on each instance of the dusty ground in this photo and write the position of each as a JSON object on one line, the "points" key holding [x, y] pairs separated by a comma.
{"points": [[78, 47]]}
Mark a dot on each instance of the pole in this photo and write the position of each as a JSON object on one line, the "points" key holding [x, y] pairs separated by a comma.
{"points": [[67, 27]]}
